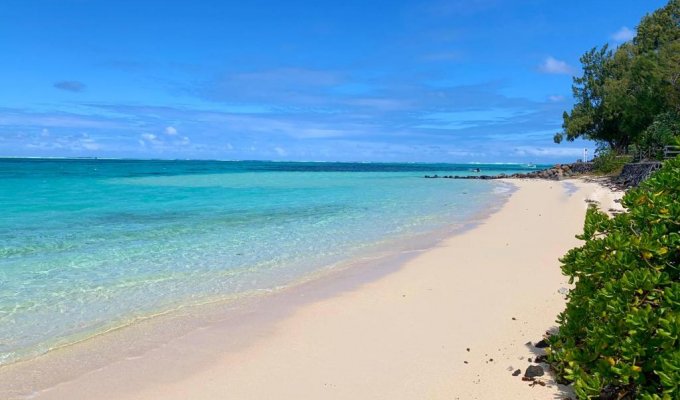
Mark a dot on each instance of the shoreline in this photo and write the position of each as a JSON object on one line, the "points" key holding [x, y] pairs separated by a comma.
{"points": [[131, 339], [205, 350]]}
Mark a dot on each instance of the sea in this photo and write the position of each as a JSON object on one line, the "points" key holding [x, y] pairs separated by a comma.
{"points": [[89, 245]]}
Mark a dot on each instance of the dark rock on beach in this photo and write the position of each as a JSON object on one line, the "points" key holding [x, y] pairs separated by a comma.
{"points": [[542, 344], [517, 372], [534, 371]]}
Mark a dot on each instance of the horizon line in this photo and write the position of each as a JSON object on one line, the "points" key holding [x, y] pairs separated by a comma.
{"points": [[260, 160]]}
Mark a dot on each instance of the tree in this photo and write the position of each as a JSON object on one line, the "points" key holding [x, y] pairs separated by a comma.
{"points": [[669, 63], [664, 131], [593, 117], [621, 91], [659, 35], [659, 28]]}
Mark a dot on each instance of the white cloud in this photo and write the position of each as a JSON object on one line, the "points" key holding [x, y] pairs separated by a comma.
{"points": [[280, 151], [160, 143], [552, 65], [171, 130], [57, 120], [462, 153], [90, 144], [77, 142], [623, 35], [556, 98], [548, 151], [149, 138]]}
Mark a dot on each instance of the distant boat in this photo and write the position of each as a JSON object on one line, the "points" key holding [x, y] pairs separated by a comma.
{"points": [[530, 165]]}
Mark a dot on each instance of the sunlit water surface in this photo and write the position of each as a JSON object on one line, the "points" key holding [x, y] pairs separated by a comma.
{"points": [[87, 245]]}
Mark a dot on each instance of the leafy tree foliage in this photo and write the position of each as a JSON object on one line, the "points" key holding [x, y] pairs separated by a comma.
{"points": [[664, 131], [620, 332], [622, 90]]}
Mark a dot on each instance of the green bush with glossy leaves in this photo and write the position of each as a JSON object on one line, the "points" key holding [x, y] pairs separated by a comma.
{"points": [[608, 162], [620, 332]]}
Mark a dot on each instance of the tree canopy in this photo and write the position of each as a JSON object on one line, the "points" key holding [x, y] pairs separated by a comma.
{"points": [[622, 90]]}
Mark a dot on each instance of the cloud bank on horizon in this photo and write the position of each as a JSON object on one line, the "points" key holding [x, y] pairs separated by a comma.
{"points": [[439, 81]]}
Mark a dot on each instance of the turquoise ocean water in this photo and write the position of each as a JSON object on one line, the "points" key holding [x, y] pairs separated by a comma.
{"points": [[87, 245]]}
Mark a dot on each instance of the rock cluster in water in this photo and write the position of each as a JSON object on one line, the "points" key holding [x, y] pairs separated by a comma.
{"points": [[558, 172]]}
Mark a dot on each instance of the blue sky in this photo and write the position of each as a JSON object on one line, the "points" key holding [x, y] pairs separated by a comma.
{"points": [[399, 80]]}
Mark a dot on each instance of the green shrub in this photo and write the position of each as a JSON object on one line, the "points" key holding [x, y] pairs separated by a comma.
{"points": [[665, 130], [608, 162], [620, 330]]}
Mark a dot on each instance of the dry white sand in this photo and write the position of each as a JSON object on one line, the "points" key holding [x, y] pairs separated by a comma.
{"points": [[403, 335]]}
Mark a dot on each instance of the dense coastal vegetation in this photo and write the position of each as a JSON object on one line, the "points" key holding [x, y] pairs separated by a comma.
{"points": [[628, 99], [619, 337], [620, 331]]}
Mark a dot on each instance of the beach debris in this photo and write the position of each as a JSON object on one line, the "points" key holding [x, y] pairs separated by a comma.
{"points": [[534, 371], [468, 349], [542, 344], [541, 359], [490, 359], [517, 372], [615, 392], [465, 362], [529, 359], [514, 319], [533, 381], [563, 290], [537, 382]]}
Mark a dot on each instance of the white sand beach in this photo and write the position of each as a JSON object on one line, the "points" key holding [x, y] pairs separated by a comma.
{"points": [[450, 323]]}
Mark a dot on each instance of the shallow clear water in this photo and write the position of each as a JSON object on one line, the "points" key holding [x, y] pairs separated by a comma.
{"points": [[86, 245]]}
